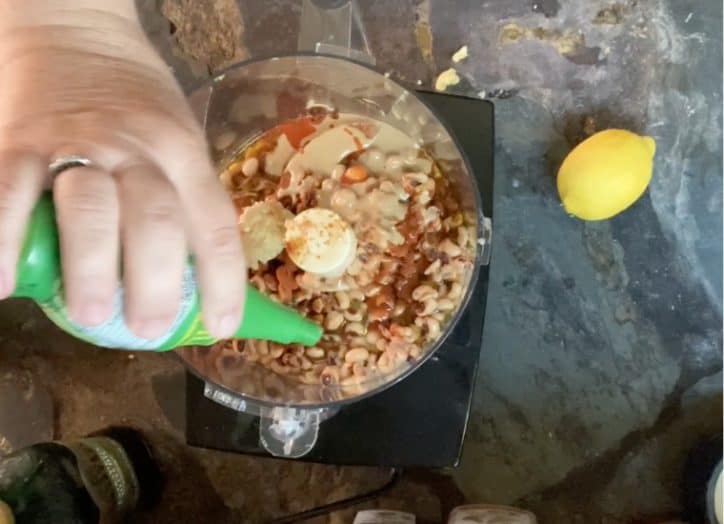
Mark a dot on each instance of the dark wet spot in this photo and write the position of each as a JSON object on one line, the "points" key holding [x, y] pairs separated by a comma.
{"points": [[548, 8], [612, 15], [501, 94], [569, 283], [586, 56]]}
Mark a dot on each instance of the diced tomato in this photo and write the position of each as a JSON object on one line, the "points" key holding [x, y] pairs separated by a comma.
{"points": [[296, 131]]}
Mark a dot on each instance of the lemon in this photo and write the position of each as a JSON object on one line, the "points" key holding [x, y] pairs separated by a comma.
{"points": [[606, 173]]}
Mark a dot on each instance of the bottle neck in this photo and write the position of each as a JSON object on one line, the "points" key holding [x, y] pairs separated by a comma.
{"points": [[38, 270]]}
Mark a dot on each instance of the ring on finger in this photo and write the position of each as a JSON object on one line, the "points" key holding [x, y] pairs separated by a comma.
{"points": [[61, 164]]}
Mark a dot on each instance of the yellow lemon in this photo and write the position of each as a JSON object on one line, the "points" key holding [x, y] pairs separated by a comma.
{"points": [[606, 173]]}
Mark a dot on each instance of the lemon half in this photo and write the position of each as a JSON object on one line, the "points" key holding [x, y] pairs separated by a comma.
{"points": [[606, 173]]}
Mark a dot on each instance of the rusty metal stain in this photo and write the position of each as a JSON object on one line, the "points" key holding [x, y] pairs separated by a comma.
{"points": [[423, 33], [566, 43], [612, 15]]}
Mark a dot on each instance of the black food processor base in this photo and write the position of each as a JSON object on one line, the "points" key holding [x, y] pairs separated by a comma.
{"points": [[419, 422]]}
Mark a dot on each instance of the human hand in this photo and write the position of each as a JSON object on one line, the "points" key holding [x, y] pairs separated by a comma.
{"points": [[81, 79]]}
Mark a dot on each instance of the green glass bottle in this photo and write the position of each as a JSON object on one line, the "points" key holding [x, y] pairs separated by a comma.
{"points": [[39, 278], [101, 479]]}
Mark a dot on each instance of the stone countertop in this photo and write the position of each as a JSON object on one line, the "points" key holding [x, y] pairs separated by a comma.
{"points": [[601, 362]]}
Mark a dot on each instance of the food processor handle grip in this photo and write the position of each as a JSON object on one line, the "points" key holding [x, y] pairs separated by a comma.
{"points": [[334, 27]]}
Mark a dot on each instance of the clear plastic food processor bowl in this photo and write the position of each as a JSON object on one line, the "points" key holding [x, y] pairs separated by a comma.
{"points": [[254, 96]]}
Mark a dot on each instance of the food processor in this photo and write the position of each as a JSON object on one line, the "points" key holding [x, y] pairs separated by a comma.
{"points": [[333, 72]]}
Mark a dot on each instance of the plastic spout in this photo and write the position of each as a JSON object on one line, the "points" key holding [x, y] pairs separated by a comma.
{"points": [[265, 319]]}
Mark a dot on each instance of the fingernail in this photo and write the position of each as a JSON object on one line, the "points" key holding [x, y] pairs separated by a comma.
{"points": [[226, 325], [92, 313], [151, 328]]}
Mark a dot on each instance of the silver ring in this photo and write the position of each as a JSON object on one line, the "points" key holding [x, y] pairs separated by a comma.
{"points": [[59, 165]]}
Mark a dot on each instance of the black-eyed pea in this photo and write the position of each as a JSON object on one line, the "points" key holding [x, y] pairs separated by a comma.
{"points": [[262, 347], [355, 328], [381, 344], [331, 338], [423, 293], [345, 370], [433, 268], [353, 316], [305, 363], [413, 334], [292, 361], [424, 198], [429, 306], [357, 294], [358, 341], [250, 357], [449, 272], [416, 352], [399, 309], [445, 304], [372, 337], [396, 237], [309, 377], [373, 291], [258, 282], [250, 348], [315, 353], [250, 167], [356, 355], [463, 236], [359, 369], [279, 368], [227, 179], [343, 300], [432, 328], [334, 320], [317, 305], [364, 278], [455, 291], [450, 248], [453, 221], [386, 362], [275, 350], [271, 282], [350, 381], [330, 375], [235, 167], [355, 268]]}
